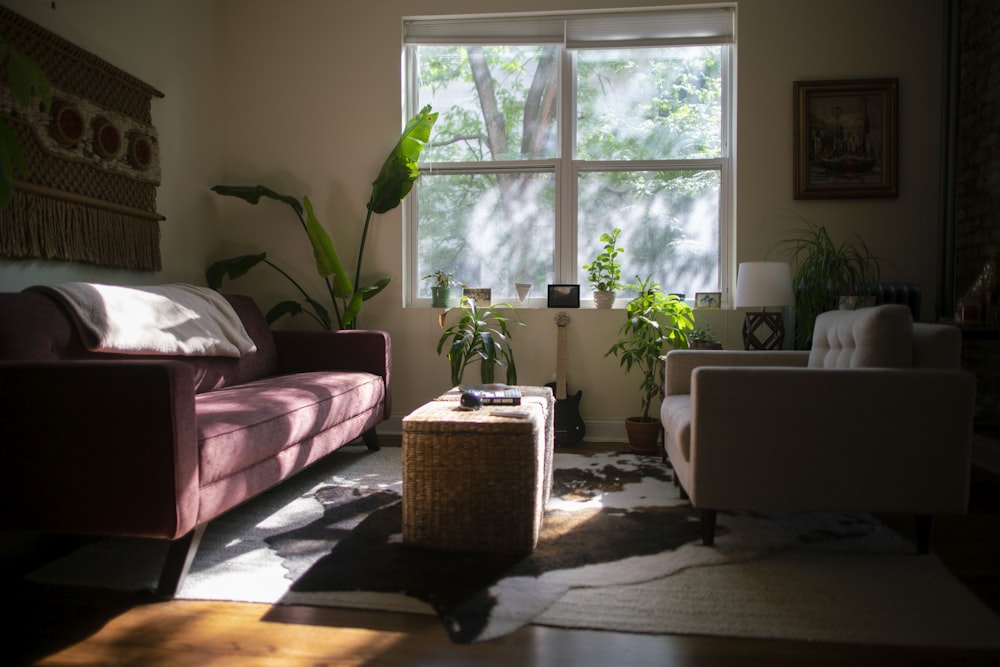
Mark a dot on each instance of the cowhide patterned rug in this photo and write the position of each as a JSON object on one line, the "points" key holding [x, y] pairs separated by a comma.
{"points": [[619, 550]]}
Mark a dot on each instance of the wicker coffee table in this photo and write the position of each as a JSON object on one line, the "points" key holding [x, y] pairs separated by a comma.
{"points": [[477, 482]]}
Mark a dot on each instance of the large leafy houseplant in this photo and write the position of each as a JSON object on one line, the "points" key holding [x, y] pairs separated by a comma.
{"points": [[654, 320], [479, 335], [823, 272], [393, 183]]}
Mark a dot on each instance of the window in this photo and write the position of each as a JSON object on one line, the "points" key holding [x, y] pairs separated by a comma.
{"points": [[556, 128]]}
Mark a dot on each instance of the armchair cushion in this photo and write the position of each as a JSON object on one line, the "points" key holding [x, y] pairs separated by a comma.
{"points": [[867, 338]]}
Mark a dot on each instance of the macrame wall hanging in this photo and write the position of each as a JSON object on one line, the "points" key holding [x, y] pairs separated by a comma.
{"points": [[93, 159]]}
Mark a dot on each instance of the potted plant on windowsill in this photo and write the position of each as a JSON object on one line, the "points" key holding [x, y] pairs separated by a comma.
{"points": [[605, 272], [826, 275], [445, 290], [654, 319], [481, 334], [702, 338]]}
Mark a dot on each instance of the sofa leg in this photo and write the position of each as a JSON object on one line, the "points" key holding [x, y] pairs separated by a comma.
{"points": [[708, 527], [370, 439], [179, 558], [923, 533]]}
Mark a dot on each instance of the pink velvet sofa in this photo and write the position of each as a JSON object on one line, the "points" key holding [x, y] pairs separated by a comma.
{"points": [[157, 447]]}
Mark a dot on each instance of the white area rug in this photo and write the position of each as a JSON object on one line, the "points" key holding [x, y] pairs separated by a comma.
{"points": [[621, 552]]}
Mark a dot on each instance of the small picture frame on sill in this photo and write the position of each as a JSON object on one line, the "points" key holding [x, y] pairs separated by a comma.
{"points": [[483, 296], [708, 300], [564, 296]]}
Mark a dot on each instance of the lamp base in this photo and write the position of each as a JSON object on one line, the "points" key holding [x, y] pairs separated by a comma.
{"points": [[763, 331]]}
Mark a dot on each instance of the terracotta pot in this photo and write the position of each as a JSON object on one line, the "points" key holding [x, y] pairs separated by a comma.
{"points": [[643, 435]]}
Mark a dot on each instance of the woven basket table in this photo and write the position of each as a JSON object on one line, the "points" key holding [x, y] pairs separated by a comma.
{"points": [[473, 481]]}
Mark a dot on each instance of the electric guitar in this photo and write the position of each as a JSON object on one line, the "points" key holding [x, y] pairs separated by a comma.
{"points": [[569, 427]]}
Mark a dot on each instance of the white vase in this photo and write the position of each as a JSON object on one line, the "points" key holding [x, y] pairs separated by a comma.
{"points": [[603, 299], [523, 290]]}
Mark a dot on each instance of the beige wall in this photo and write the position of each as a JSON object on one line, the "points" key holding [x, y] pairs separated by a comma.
{"points": [[304, 96]]}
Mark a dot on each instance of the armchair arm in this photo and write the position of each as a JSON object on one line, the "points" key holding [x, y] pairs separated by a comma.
{"points": [[98, 447], [368, 351], [880, 439], [679, 364]]}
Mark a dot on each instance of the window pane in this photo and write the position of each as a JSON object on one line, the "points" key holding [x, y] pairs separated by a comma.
{"points": [[495, 102], [649, 103], [669, 222], [492, 230]]}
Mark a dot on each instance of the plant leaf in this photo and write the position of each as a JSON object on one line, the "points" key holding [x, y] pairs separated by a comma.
{"points": [[327, 261], [232, 268], [281, 309], [399, 171], [253, 193]]}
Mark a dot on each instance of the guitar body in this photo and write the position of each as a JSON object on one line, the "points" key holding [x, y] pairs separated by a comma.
{"points": [[569, 427]]}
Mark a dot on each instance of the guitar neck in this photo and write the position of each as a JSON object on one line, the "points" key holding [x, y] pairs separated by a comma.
{"points": [[561, 364]]}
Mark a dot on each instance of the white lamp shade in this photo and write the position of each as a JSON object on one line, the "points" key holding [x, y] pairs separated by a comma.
{"points": [[763, 284]]}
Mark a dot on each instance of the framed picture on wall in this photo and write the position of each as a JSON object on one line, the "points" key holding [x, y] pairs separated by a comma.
{"points": [[846, 140]]}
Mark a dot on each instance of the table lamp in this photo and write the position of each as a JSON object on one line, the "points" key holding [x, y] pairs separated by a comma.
{"points": [[759, 285]]}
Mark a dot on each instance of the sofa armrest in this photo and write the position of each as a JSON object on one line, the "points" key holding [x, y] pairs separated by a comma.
{"points": [[841, 428], [368, 351], [98, 447], [679, 364]]}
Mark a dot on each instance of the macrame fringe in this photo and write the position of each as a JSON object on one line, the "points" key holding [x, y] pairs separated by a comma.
{"points": [[35, 226]]}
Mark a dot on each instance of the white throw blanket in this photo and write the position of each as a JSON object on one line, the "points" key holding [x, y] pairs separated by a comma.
{"points": [[165, 319]]}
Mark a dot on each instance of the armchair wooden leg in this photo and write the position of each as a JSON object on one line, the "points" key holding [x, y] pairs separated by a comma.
{"points": [[708, 527], [923, 533], [370, 439], [179, 558]]}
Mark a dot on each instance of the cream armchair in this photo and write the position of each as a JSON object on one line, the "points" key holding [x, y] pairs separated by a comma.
{"points": [[877, 417]]}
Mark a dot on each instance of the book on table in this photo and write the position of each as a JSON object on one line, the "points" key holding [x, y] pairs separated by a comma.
{"points": [[495, 394]]}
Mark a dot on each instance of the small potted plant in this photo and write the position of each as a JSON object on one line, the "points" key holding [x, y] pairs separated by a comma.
{"points": [[445, 290], [703, 338], [481, 334], [605, 272], [654, 320]]}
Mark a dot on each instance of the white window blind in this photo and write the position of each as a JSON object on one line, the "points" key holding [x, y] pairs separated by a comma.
{"points": [[710, 25]]}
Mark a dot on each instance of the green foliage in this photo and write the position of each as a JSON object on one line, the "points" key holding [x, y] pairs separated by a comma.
{"points": [[653, 320], [394, 181], [442, 279], [605, 272], [480, 335], [24, 78], [823, 271]]}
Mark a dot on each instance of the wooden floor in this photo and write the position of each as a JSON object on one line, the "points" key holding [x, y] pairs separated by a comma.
{"points": [[68, 626]]}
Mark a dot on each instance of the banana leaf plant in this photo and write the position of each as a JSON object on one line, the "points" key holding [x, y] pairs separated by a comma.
{"points": [[390, 187]]}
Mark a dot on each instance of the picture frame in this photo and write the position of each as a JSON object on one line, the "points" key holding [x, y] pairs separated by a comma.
{"points": [[564, 296], [708, 300], [846, 138], [483, 296]]}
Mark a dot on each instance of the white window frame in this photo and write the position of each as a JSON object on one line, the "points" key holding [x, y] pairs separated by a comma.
{"points": [[649, 27]]}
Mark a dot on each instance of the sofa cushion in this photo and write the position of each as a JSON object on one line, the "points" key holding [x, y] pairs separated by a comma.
{"points": [[241, 425], [879, 337], [36, 327]]}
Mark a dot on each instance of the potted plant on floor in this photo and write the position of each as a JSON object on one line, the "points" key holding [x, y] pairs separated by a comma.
{"points": [[653, 320], [481, 334], [605, 272], [824, 273], [445, 290]]}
